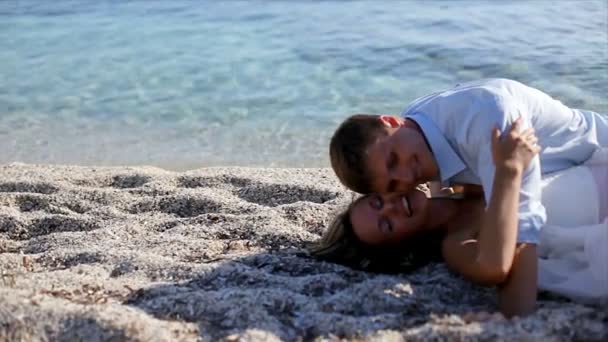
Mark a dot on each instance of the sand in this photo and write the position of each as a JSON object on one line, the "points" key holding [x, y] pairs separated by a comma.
{"points": [[144, 254]]}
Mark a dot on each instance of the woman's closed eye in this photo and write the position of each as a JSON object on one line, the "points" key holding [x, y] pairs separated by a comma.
{"points": [[376, 202], [384, 225]]}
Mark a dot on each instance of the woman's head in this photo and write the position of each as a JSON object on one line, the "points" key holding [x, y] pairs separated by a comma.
{"points": [[385, 219], [403, 249]]}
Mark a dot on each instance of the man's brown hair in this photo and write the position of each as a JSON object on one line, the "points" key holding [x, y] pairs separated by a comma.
{"points": [[347, 150]]}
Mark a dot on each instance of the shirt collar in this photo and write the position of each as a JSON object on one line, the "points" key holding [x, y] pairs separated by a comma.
{"points": [[447, 159]]}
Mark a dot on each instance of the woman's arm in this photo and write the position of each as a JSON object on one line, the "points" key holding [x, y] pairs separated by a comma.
{"points": [[517, 295], [492, 258], [498, 235], [490, 261]]}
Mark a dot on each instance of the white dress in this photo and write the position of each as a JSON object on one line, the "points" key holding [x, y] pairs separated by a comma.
{"points": [[573, 246]]}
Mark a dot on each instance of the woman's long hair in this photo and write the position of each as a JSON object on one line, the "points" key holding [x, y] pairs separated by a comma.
{"points": [[339, 244]]}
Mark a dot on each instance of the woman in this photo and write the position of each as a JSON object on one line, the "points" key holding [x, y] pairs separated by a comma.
{"points": [[400, 232]]}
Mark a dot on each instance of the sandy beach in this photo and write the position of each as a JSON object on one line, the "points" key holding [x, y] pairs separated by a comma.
{"points": [[145, 254]]}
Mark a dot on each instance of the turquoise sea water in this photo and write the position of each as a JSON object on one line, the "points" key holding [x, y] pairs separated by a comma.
{"points": [[182, 84]]}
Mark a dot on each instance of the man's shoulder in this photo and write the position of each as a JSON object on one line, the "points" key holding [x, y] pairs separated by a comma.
{"points": [[489, 91], [466, 113], [489, 83]]}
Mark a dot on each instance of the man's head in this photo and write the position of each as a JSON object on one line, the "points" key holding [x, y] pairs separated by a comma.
{"points": [[381, 153]]}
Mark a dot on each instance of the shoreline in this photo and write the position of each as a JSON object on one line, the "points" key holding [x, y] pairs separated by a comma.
{"points": [[145, 254], [168, 166]]}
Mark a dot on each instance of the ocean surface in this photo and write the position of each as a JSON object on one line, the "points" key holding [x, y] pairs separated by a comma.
{"points": [[184, 84]]}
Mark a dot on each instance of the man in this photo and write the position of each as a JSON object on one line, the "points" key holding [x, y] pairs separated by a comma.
{"points": [[446, 137]]}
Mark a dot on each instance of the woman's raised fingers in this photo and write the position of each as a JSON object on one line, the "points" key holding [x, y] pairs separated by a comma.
{"points": [[532, 139], [515, 125], [528, 132]]}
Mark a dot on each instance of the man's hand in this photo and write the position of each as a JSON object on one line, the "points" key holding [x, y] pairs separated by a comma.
{"points": [[437, 190], [466, 190]]}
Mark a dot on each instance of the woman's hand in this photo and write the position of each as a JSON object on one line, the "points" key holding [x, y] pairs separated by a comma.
{"points": [[515, 149]]}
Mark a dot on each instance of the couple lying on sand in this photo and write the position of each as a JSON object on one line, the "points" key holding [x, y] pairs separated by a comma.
{"points": [[528, 202]]}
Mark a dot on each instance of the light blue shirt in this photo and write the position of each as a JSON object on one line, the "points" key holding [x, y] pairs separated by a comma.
{"points": [[457, 124]]}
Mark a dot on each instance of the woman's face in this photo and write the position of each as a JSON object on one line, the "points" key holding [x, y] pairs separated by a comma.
{"points": [[379, 219]]}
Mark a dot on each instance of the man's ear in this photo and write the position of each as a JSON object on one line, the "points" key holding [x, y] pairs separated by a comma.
{"points": [[391, 121]]}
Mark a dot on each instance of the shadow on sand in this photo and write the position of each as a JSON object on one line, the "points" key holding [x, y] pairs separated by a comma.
{"points": [[292, 296]]}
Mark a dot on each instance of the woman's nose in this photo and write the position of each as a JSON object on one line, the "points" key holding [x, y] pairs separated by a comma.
{"points": [[388, 207]]}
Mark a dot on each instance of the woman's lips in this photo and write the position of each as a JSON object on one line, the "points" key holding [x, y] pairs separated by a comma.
{"points": [[406, 206]]}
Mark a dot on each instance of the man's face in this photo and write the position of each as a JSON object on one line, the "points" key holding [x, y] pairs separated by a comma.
{"points": [[401, 159]]}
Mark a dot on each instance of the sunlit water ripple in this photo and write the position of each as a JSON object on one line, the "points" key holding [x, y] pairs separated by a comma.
{"points": [[184, 84]]}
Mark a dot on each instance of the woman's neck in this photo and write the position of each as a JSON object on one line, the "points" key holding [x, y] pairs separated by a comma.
{"points": [[443, 210]]}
